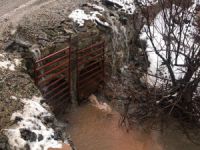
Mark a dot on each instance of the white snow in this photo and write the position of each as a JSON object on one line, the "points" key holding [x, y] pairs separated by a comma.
{"points": [[97, 7], [17, 62], [79, 16], [126, 5], [158, 30], [32, 115], [148, 2], [7, 64]]}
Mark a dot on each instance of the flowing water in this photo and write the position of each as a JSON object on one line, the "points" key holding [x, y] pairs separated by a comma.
{"points": [[120, 46], [95, 129]]}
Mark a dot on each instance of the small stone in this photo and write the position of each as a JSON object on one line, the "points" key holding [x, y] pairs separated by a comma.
{"points": [[81, 29], [48, 119], [8, 46], [68, 31], [13, 98], [60, 124], [18, 119], [40, 137], [108, 3], [23, 43], [58, 135], [157, 102], [28, 135]]}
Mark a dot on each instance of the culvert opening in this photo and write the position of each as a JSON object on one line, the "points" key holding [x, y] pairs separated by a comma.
{"points": [[52, 76], [59, 77], [90, 69], [90, 79], [57, 94]]}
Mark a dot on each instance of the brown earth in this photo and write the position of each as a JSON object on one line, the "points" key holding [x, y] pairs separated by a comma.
{"points": [[30, 14]]}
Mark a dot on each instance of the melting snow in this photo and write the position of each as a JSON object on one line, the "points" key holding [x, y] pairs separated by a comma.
{"points": [[79, 16], [32, 116], [126, 5], [7, 64], [158, 30], [148, 2], [99, 8]]}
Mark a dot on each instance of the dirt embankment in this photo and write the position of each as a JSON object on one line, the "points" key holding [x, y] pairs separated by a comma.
{"points": [[20, 20], [15, 83], [12, 12], [45, 25]]}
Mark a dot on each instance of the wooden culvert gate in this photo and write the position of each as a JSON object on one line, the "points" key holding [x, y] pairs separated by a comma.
{"points": [[53, 73], [90, 69]]}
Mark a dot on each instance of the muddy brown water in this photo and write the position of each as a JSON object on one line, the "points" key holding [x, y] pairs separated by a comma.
{"points": [[93, 129]]}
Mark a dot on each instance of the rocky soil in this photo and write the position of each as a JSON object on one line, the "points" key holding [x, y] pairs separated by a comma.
{"points": [[16, 25], [16, 39]]}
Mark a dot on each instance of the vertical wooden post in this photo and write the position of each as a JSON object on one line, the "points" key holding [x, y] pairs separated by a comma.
{"points": [[73, 70], [68, 52], [35, 73], [103, 61]]}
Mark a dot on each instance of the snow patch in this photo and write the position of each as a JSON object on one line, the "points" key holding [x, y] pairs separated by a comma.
{"points": [[79, 16], [32, 119], [148, 2], [99, 8], [7, 64], [158, 32], [128, 6]]}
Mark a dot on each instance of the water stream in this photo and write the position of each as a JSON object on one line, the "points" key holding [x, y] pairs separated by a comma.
{"points": [[120, 47], [95, 129]]}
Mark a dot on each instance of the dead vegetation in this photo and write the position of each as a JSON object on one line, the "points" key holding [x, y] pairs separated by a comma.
{"points": [[176, 97]]}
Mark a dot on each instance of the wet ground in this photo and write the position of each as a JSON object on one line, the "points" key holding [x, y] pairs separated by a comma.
{"points": [[93, 129]]}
